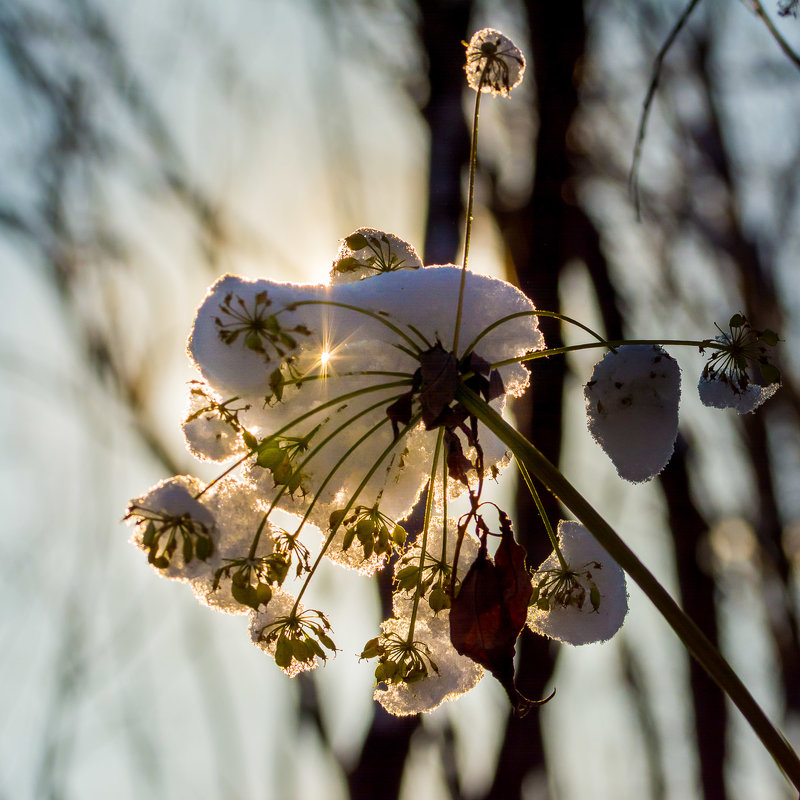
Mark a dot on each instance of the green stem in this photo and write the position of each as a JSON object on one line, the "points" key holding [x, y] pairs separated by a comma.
{"points": [[328, 404], [611, 345], [473, 164], [299, 468], [367, 312], [425, 527], [254, 545], [551, 534], [326, 544], [534, 313], [687, 631]]}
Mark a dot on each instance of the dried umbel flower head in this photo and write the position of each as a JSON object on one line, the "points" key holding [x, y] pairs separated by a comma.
{"points": [[726, 380], [494, 63]]}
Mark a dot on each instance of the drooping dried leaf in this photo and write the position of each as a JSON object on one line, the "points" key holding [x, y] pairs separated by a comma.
{"points": [[489, 611], [399, 412], [458, 465]]}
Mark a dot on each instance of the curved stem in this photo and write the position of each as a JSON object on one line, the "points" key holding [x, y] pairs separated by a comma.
{"points": [[367, 312], [775, 33], [612, 345], [551, 534], [254, 544], [299, 468], [473, 165], [326, 544], [297, 420], [534, 313], [687, 631]]}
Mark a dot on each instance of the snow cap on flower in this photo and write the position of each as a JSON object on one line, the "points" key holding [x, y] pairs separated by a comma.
{"points": [[176, 531], [315, 439], [452, 676], [494, 63], [719, 392], [293, 637], [367, 252], [632, 409], [585, 603], [211, 427], [726, 381]]}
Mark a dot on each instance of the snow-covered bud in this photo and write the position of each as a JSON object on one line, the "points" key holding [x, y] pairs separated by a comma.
{"points": [[632, 409], [175, 530], [293, 637], [367, 251], [419, 676]]}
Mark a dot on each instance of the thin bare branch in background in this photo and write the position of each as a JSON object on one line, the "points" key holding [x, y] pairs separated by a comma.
{"points": [[633, 177]]}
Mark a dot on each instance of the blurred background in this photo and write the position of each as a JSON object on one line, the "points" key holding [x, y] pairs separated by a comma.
{"points": [[149, 147]]}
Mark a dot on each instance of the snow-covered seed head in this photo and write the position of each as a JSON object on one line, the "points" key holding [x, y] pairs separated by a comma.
{"points": [[584, 601], [418, 676], [367, 252], [726, 380], [293, 637], [175, 530], [212, 428], [494, 63], [632, 409]]}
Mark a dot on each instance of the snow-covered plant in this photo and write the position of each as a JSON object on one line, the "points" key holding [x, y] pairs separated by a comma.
{"points": [[340, 403]]}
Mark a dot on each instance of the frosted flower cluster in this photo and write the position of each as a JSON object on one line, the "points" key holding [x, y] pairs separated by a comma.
{"points": [[317, 400], [583, 599], [367, 251], [727, 379]]}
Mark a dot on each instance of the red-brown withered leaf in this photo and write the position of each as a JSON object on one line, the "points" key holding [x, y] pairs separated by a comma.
{"points": [[490, 609]]}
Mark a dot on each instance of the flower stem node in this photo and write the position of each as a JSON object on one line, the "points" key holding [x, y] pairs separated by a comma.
{"points": [[739, 373], [632, 409], [494, 63], [580, 597]]}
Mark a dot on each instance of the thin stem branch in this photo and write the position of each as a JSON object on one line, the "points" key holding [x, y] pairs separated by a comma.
{"points": [[533, 313], [613, 345], [473, 165], [328, 404], [775, 33], [351, 502], [425, 527], [551, 534], [367, 312]]}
